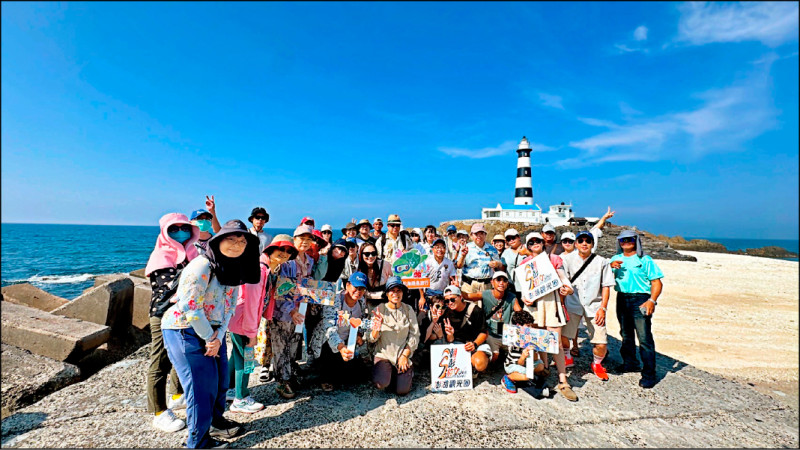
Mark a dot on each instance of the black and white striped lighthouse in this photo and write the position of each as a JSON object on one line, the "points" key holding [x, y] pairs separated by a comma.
{"points": [[523, 194]]}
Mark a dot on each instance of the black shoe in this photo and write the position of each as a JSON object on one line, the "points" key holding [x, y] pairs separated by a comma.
{"points": [[647, 383], [213, 443], [224, 428]]}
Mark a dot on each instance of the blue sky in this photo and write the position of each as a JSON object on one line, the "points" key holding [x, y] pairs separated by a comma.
{"points": [[683, 117]]}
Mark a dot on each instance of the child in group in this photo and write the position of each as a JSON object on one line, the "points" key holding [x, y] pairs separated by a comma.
{"points": [[517, 358]]}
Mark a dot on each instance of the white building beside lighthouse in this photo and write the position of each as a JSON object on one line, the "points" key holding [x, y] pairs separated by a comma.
{"points": [[524, 209]]}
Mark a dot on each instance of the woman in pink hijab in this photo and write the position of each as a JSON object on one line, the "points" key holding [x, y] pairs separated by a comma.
{"points": [[174, 249]]}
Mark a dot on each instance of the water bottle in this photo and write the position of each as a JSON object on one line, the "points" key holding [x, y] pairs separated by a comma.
{"points": [[249, 360]]}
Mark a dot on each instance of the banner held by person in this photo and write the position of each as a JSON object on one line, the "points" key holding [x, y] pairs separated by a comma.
{"points": [[409, 267], [451, 368], [306, 291], [538, 277]]}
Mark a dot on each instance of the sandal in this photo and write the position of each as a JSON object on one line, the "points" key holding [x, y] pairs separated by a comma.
{"points": [[565, 390], [575, 351]]}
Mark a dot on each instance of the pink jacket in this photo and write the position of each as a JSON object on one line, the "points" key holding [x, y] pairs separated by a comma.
{"points": [[168, 252], [249, 306]]}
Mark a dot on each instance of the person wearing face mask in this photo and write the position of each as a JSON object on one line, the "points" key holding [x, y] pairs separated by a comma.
{"points": [[194, 329], [245, 323], [206, 221], [173, 251], [259, 217], [395, 332]]}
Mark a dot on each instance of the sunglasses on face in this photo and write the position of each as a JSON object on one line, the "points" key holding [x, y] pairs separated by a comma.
{"points": [[438, 306], [394, 225], [184, 227], [584, 241], [370, 254], [501, 280], [628, 240], [535, 241], [450, 299], [511, 238], [567, 241], [414, 234], [327, 232], [259, 218], [285, 249]]}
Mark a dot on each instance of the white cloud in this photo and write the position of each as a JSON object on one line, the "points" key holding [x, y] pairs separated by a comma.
{"points": [[772, 23], [554, 101], [507, 147], [627, 110], [640, 33], [723, 121]]}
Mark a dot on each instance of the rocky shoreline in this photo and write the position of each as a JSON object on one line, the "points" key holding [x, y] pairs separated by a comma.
{"points": [[658, 246]]}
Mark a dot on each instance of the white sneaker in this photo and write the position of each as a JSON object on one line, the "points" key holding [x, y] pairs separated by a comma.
{"points": [[246, 405], [175, 405], [166, 421], [230, 395]]}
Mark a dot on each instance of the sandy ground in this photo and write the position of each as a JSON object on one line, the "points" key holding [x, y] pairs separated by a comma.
{"points": [[732, 315]]}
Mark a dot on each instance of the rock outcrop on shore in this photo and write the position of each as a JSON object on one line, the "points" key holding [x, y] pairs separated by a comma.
{"points": [[606, 247]]}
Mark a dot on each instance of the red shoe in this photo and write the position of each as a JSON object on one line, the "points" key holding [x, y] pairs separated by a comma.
{"points": [[568, 360], [600, 371]]}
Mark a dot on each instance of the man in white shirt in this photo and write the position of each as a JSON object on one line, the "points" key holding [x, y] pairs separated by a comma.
{"points": [[592, 279]]}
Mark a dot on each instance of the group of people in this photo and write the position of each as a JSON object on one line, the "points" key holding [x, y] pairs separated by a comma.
{"points": [[211, 282]]}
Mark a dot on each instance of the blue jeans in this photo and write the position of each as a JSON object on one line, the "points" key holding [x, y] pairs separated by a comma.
{"points": [[204, 380], [631, 320]]}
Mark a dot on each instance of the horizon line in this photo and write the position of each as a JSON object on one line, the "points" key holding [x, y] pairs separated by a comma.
{"points": [[289, 227]]}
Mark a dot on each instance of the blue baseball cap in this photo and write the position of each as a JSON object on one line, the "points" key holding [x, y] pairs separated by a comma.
{"points": [[358, 279], [198, 212], [394, 282], [451, 228], [584, 233], [439, 241]]}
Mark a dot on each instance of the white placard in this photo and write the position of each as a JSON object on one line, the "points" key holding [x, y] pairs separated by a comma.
{"points": [[537, 277], [301, 310], [451, 368]]}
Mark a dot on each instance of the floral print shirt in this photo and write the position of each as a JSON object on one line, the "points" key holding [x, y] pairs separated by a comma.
{"points": [[202, 304]]}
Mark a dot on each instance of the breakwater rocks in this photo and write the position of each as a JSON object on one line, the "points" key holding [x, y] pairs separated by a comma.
{"points": [[606, 247], [703, 245]]}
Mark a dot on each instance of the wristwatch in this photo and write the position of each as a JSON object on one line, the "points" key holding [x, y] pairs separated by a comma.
{"points": [[605, 309], [655, 303]]}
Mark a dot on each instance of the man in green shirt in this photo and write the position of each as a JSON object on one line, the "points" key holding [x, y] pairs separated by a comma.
{"points": [[638, 285], [498, 305]]}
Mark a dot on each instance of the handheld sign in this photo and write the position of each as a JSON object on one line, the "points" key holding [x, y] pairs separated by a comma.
{"points": [[353, 337], [306, 290], [537, 277], [409, 268], [451, 368], [540, 340]]}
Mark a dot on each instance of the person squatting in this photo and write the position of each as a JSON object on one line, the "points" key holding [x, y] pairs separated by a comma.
{"points": [[215, 284]]}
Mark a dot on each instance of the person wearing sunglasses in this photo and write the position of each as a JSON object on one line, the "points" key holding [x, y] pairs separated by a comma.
{"points": [[548, 310], [244, 325], [173, 251], [259, 218], [465, 324], [393, 242], [377, 270], [206, 221], [591, 278], [431, 323], [513, 254], [638, 285], [416, 235], [567, 242], [330, 338], [194, 329]]}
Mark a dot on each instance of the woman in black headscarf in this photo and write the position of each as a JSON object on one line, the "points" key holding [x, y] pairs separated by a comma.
{"points": [[194, 328]]}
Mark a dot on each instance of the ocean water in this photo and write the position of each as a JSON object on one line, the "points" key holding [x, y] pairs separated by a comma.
{"points": [[64, 259]]}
